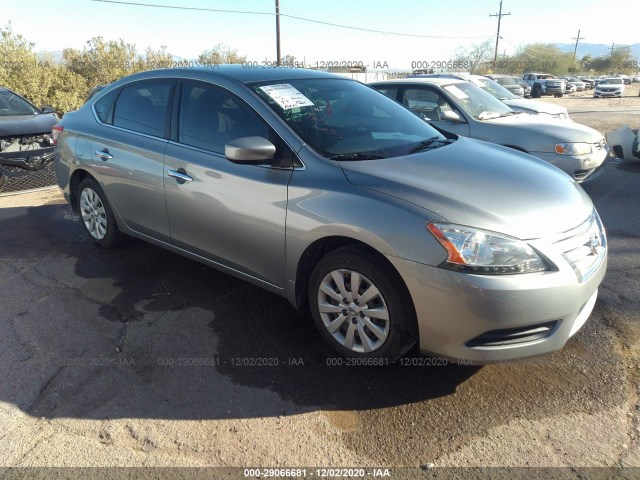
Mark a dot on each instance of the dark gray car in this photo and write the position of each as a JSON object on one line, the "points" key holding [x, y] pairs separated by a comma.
{"points": [[322, 190], [25, 138]]}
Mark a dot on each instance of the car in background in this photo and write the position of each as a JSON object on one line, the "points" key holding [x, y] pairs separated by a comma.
{"points": [[609, 87], [544, 84], [519, 104], [25, 137], [626, 79], [463, 108], [579, 84], [525, 86], [509, 83], [570, 88], [322, 190], [589, 82]]}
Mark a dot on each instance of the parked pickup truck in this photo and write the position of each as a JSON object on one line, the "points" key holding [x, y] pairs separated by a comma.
{"points": [[544, 84]]}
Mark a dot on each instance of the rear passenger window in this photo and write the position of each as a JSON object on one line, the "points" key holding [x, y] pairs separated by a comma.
{"points": [[104, 107], [143, 107], [209, 118]]}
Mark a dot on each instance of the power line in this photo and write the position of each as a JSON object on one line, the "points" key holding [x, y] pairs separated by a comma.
{"points": [[294, 17]]}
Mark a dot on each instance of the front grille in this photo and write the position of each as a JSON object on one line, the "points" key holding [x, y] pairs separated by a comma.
{"points": [[513, 336], [19, 179], [584, 247]]}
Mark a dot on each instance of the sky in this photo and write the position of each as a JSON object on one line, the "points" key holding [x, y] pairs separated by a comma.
{"points": [[54, 26]]}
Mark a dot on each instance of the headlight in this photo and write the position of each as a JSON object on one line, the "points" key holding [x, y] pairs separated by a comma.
{"points": [[572, 148], [478, 251]]}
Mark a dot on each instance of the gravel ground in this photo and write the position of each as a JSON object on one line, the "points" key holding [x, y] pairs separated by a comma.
{"points": [[86, 334]]}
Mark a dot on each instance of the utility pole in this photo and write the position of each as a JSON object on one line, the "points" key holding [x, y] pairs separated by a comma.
{"points": [[278, 32], [499, 15], [612, 46], [577, 39]]}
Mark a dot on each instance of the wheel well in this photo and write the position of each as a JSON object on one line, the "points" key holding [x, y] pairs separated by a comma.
{"points": [[77, 177], [617, 149], [319, 249]]}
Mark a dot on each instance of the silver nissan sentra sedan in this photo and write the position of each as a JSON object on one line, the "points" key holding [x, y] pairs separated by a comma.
{"points": [[323, 190]]}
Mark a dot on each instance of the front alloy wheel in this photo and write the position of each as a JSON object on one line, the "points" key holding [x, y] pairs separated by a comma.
{"points": [[353, 310], [360, 304]]}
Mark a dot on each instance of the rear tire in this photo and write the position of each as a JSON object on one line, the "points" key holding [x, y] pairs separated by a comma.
{"points": [[97, 216], [361, 306]]}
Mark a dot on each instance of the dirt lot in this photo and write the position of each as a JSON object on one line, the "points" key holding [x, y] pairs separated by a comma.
{"points": [[133, 357], [603, 113]]}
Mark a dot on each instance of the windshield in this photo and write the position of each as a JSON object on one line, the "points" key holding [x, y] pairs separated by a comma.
{"points": [[476, 101], [347, 120], [12, 104], [611, 81], [506, 81], [495, 89]]}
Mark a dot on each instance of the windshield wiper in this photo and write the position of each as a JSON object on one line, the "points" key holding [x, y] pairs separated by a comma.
{"points": [[487, 115], [356, 156], [425, 144]]}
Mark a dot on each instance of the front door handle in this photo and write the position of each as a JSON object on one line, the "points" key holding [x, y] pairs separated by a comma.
{"points": [[104, 154], [180, 175]]}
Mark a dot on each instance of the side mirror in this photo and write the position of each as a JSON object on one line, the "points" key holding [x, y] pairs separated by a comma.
{"points": [[47, 109], [450, 116], [249, 149]]}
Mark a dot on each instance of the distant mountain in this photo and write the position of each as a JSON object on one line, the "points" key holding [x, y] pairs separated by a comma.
{"points": [[597, 49]]}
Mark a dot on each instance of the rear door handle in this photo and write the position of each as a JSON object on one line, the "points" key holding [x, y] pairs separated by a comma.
{"points": [[104, 154], [180, 175]]}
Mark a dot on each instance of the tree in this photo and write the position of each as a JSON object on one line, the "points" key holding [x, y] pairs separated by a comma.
{"points": [[221, 54], [158, 58], [474, 58], [102, 62], [19, 65]]}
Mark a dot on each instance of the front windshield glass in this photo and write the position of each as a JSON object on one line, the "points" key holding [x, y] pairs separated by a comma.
{"points": [[346, 120], [12, 104], [506, 81], [495, 89], [611, 81], [476, 101]]}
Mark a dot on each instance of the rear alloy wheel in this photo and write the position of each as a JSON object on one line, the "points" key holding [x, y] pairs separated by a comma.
{"points": [[97, 216], [360, 305]]}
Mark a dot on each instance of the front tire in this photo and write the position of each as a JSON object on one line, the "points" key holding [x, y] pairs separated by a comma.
{"points": [[97, 216], [536, 92], [361, 306]]}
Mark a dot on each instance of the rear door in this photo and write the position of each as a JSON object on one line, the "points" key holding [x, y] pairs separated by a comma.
{"points": [[128, 153], [230, 213]]}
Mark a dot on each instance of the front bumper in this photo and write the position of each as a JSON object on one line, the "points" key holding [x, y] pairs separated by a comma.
{"points": [[579, 167], [455, 309], [613, 93]]}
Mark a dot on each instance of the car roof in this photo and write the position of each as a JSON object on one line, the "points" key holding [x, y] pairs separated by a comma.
{"points": [[419, 80], [237, 72]]}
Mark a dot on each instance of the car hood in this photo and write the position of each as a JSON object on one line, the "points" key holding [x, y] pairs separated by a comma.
{"points": [[15, 125], [553, 127], [482, 185], [536, 106]]}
